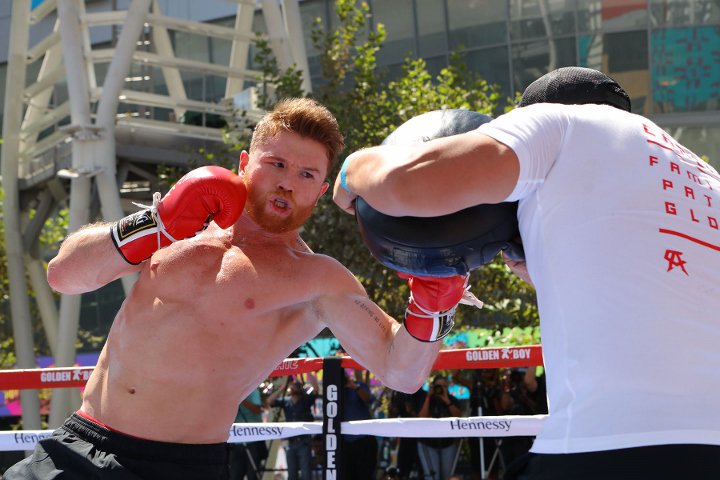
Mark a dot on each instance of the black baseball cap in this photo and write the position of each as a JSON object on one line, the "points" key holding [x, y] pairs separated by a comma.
{"points": [[576, 86]]}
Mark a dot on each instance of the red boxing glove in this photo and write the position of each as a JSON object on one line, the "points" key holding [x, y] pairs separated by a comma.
{"points": [[204, 194], [430, 314]]}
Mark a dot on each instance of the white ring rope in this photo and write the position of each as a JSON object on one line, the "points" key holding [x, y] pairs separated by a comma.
{"points": [[500, 426]]}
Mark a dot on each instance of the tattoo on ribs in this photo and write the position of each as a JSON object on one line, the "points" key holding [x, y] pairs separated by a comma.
{"points": [[378, 321]]}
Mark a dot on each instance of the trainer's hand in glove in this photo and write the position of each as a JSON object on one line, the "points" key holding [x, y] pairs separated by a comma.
{"points": [[204, 194], [430, 314], [518, 267], [342, 195]]}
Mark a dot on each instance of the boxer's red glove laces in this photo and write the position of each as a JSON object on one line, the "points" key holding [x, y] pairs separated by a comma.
{"points": [[430, 314]]}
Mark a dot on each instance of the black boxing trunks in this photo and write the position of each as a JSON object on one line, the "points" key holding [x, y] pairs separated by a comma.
{"points": [[82, 449]]}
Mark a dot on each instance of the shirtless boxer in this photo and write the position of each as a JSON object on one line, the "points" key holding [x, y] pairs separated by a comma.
{"points": [[619, 224], [212, 315]]}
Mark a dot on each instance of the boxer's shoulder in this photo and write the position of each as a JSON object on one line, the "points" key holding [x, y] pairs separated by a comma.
{"points": [[194, 253], [331, 278]]}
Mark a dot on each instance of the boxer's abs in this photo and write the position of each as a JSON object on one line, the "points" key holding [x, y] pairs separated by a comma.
{"points": [[164, 396]]}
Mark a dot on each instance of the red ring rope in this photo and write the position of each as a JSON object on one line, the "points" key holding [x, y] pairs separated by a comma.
{"points": [[468, 358]]}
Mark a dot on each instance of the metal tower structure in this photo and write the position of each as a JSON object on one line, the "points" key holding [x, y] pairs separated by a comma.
{"points": [[95, 147]]}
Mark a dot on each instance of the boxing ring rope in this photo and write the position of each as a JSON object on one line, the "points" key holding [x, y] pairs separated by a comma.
{"points": [[472, 358]]}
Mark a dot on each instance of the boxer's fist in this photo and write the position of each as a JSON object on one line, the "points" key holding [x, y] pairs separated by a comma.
{"points": [[430, 314], [204, 194]]}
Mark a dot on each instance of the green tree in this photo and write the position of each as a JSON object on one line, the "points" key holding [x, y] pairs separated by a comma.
{"points": [[369, 106], [53, 232]]}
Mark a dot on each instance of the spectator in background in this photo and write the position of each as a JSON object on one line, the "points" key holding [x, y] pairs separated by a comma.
{"points": [[537, 389], [246, 458], [537, 393], [297, 407], [406, 405], [360, 459], [516, 400], [438, 455], [485, 400]]}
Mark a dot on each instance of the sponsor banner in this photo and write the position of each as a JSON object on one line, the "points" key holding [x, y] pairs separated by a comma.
{"points": [[492, 357], [19, 440], [501, 426], [297, 366], [11, 441], [252, 432], [60, 377]]}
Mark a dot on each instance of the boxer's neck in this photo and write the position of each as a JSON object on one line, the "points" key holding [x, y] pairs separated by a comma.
{"points": [[247, 232]]}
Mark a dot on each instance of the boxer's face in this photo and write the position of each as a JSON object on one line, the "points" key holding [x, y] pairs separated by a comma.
{"points": [[285, 177]]}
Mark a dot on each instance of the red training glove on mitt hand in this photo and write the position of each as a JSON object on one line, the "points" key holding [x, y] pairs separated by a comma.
{"points": [[204, 194], [430, 314]]}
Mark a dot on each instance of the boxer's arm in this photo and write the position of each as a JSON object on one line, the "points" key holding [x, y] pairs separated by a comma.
{"points": [[87, 260], [93, 256], [465, 170], [382, 345], [374, 338]]}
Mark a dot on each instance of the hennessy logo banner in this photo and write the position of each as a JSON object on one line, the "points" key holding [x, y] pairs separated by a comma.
{"points": [[21, 440], [252, 432], [501, 426]]}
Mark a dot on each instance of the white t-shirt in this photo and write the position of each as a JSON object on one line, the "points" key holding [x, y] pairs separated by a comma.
{"points": [[621, 235]]}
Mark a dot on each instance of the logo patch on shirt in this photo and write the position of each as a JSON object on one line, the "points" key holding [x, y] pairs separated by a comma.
{"points": [[674, 259]]}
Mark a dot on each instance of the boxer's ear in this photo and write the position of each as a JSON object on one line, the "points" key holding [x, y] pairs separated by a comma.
{"points": [[323, 189], [244, 159]]}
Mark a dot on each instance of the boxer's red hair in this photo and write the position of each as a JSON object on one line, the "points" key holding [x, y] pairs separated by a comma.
{"points": [[307, 118]]}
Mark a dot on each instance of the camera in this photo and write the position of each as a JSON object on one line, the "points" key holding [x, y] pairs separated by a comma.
{"points": [[392, 473], [438, 390]]}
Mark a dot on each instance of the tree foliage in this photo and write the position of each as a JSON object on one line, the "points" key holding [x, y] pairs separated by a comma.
{"points": [[53, 232], [369, 106]]}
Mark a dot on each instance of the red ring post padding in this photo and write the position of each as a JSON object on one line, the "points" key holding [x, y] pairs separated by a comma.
{"points": [[467, 358]]}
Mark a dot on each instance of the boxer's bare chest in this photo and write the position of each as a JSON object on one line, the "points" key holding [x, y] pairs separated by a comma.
{"points": [[231, 281]]}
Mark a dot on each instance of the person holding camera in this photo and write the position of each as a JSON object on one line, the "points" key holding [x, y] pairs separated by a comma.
{"points": [[406, 405], [517, 400], [361, 464], [486, 395], [246, 458], [297, 405], [437, 455]]}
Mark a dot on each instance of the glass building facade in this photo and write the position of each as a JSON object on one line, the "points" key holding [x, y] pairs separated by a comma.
{"points": [[665, 53]]}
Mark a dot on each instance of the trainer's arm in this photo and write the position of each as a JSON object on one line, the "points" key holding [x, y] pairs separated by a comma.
{"points": [[87, 260], [434, 178], [377, 341]]}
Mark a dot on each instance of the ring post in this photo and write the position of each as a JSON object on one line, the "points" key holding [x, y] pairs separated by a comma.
{"points": [[333, 400]]}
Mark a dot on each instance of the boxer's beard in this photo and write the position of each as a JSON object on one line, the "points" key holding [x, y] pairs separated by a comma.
{"points": [[257, 208]]}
